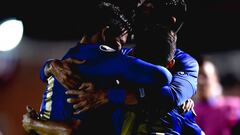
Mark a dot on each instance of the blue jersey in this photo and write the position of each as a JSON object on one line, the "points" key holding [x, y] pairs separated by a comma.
{"points": [[111, 65], [167, 116], [106, 68]]}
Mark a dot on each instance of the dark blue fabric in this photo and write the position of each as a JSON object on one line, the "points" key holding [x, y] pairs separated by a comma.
{"points": [[105, 68], [169, 98]]}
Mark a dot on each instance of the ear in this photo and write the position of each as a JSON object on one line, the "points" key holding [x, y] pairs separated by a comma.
{"points": [[104, 33], [173, 19], [170, 64]]}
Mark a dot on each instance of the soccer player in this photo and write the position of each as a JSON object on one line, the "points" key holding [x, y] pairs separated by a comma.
{"points": [[192, 74], [168, 13], [173, 15], [55, 106], [179, 53]]}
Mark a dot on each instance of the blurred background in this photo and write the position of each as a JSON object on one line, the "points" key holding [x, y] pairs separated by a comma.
{"points": [[211, 29]]}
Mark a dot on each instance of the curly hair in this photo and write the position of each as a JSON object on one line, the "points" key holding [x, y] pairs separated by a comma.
{"points": [[107, 14], [162, 11]]}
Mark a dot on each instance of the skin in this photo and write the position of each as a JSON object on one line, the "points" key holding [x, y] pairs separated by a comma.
{"points": [[32, 125], [88, 97], [85, 92]]}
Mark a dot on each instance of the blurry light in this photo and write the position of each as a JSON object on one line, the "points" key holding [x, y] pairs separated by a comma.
{"points": [[11, 32]]}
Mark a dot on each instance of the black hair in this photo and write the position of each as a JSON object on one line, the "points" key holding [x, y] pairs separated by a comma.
{"points": [[163, 10], [106, 14], [177, 8], [156, 45]]}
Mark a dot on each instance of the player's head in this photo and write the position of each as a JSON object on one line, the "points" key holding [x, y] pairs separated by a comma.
{"points": [[157, 46], [170, 13], [112, 25]]}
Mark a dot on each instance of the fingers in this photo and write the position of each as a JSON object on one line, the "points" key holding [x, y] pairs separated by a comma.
{"points": [[75, 92], [81, 110], [67, 79], [194, 113], [73, 100], [192, 104], [64, 74], [74, 61], [80, 104], [83, 86], [188, 105], [69, 83], [87, 86], [185, 106]]}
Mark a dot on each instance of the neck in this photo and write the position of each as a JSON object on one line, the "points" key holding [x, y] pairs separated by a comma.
{"points": [[84, 40], [90, 40]]}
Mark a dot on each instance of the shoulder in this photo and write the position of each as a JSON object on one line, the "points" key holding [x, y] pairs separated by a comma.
{"points": [[185, 63], [86, 51]]}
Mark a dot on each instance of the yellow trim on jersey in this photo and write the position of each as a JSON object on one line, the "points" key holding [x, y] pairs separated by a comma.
{"points": [[128, 123], [46, 114]]}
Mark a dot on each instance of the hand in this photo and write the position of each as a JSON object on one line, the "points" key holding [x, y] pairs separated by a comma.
{"points": [[188, 105], [64, 74], [87, 99], [27, 122]]}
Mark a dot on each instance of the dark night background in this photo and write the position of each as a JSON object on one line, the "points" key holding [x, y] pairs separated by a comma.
{"points": [[209, 26], [52, 27]]}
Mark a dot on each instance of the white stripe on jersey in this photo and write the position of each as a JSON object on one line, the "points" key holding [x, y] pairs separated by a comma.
{"points": [[106, 48]]}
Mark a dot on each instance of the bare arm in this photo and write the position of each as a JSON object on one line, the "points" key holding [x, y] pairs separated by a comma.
{"points": [[46, 127]]}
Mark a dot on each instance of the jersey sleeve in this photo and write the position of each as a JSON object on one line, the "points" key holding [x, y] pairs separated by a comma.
{"points": [[184, 81], [42, 72], [128, 71], [183, 85], [185, 63], [145, 74]]}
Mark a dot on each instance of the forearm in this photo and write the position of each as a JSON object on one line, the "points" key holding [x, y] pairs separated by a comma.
{"points": [[49, 127]]}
